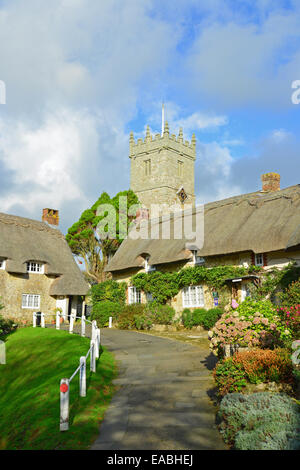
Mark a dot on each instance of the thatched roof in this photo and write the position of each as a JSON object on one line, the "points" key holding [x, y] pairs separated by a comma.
{"points": [[24, 240], [258, 222]]}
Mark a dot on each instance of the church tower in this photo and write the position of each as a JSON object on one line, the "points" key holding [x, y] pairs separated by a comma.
{"points": [[163, 169]]}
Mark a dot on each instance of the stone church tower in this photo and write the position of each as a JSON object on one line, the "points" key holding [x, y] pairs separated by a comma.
{"points": [[162, 169]]}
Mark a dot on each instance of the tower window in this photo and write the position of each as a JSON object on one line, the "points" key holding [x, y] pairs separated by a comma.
{"points": [[180, 168], [147, 167]]}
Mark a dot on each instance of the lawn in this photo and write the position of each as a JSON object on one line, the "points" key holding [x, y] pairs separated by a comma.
{"points": [[37, 359]]}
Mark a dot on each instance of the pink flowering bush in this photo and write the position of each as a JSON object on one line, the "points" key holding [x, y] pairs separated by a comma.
{"points": [[291, 318], [252, 324]]}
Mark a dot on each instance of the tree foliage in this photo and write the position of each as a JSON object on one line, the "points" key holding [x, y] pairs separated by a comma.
{"points": [[85, 242]]}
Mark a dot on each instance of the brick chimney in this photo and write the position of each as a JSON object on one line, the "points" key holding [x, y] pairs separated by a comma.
{"points": [[51, 216], [270, 182]]}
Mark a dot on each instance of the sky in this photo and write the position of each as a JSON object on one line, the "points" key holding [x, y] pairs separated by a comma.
{"points": [[81, 74]]}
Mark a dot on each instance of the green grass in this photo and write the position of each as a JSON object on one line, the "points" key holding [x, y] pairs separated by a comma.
{"points": [[37, 359]]}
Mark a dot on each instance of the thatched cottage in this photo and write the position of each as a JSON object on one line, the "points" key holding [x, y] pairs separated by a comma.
{"points": [[37, 269], [260, 228]]}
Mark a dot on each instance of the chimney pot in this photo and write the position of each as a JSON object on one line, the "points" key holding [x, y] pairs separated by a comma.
{"points": [[51, 216], [270, 182]]}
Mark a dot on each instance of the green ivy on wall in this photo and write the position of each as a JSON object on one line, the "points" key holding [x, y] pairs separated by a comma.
{"points": [[165, 286]]}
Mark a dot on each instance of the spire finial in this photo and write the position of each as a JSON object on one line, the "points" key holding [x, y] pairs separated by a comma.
{"points": [[163, 119]]}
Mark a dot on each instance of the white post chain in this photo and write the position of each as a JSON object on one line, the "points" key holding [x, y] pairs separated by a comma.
{"points": [[34, 319], [57, 321], [71, 324], [93, 356], [110, 322], [64, 404], [82, 377], [83, 325], [42, 320]]}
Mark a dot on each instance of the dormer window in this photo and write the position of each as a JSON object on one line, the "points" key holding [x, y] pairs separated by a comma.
{"points": [[2, 264], [259, 259], [197, 260], [149, 267], [35, 267]]}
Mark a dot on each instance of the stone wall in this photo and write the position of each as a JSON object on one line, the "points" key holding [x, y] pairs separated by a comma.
{"points": [[12, 286]]}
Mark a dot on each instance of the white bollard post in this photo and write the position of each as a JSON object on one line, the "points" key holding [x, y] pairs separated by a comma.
{"points": [[2, 353], [83, 325], [93, 356], [94, 328], [82, 377], [110, 322], [42, 320], [34, 319], [97, 344], [71, 324], [64, 404], [57, 321]]}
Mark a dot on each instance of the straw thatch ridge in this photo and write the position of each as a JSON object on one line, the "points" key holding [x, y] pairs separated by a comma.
{"points": [[23, 240], [258, 222]]}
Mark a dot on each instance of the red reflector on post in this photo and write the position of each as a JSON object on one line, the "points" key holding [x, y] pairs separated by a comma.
{"points": [[64, 388]]}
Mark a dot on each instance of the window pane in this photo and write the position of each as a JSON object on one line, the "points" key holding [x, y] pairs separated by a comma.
{"points": [[193, 298], [24, 300]]}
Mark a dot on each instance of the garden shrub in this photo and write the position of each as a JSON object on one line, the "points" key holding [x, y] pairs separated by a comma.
{"points": [[161, 314], [101, 312], [230, 377], [291, 318], [186, 318], [210, 317], [257, 366], [252, 324], [109, 290], [6, 326], [131, 316], [200, 317], [260, 421], [291, 296]]}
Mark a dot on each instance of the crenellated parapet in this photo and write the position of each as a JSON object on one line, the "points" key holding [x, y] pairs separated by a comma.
{"points": [[152, 143]]}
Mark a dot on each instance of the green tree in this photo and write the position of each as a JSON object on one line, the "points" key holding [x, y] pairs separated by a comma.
{"points": [[84, 240]]}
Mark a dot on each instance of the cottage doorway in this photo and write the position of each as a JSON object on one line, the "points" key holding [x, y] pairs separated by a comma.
{"points": [[63, 304]]}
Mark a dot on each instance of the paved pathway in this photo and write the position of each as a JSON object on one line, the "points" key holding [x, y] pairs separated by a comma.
{"points": [[163, 402]]}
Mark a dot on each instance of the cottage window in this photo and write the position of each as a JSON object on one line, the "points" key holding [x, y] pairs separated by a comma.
{"points": [[259, 259], [2, 263], [31, 301], [193, 296], [134, 296], [34, 267]]}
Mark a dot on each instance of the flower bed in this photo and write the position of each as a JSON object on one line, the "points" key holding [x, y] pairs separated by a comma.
{"points": [[252, 324]]}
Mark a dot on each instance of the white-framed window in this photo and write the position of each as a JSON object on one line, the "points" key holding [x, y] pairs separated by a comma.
{"points": [[198, 260], [31, 301], [35, 267], [2, 264], [134, 295], [259, 259], [193, 296]]}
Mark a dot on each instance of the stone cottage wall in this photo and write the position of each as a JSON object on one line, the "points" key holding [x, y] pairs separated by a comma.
{"points": [[12, 286]]}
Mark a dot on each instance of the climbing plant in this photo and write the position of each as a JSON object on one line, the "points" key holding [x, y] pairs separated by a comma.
{"points": [[165, 285]]}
